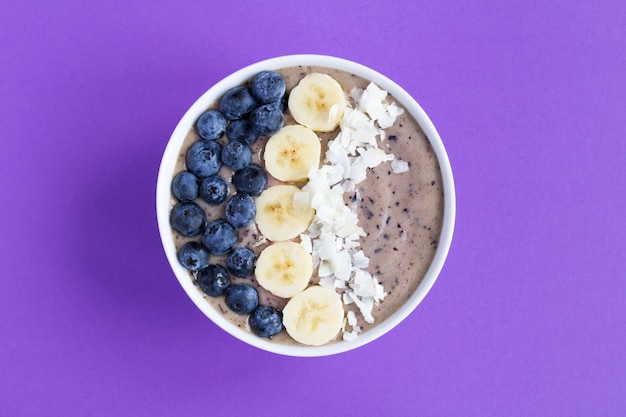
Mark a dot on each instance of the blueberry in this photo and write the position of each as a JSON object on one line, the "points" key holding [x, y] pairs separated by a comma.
{"points": [[240, 210], [213, 190], [266, 321], [237, 102], [187, 218], [211, 125], [214, 280], [241, 130], [185, 186], [242, 298], [204, 158], [250, 180], [267, 119], [193, 256], [268, 87], [236, 155], [281, 104], [219, 237], [241, 262]]}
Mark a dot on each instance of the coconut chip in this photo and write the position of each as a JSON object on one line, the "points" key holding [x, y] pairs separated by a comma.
{"points": [[333, 238], [399, 166]]}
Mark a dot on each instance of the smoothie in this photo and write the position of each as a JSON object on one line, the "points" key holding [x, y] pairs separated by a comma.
{"points": [[401, 213]]}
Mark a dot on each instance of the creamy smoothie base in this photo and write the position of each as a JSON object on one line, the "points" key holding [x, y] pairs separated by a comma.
{"points": [[401, 213]]}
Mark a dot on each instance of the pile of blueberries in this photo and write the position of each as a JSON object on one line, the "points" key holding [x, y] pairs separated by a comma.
{"points": [[245, 113]]}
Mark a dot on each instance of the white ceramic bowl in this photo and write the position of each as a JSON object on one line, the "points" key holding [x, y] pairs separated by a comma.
{"points": [[166, 173]]}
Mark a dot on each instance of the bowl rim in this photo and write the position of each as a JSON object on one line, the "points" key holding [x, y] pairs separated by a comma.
{"points": [[163, 200]]}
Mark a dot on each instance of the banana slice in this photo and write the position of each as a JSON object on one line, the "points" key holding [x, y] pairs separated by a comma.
{"points": [[290, 153], [314, 316], [317, 102], [284, 269], [283, 212]]}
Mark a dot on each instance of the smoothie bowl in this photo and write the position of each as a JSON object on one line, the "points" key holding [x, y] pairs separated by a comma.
{"points": [[306, 204]]}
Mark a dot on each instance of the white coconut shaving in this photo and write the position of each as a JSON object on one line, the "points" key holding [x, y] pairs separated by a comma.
{"points": [[351, 321], [399, 166], [333, 238]]}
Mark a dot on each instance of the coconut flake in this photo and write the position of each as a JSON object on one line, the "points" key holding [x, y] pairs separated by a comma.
{"points": [[333, 238], [301, 201], [372, 157], [388, 118], [351, 321], [372, 101], [358, 170], [306, 243], [360, 260], [399, 166]]}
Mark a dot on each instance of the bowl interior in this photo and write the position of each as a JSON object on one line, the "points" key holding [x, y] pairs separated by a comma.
{"points": [[166, 173]]}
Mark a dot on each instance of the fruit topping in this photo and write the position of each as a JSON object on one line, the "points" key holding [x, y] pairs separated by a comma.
{"points": [[204, 158], [219, 237], [213, 190], [213, 280], [250, 180], [283, 212], [314, 316], [318, 102], [241, 262], [185, 186], [292, 152], [211, 125], [268, 87], [237, 103], [188, 219], [266, 321], [193, 256], [236, 155], [240, 210], [241, 130], [242, 298], [284, 269], [267, 119]]}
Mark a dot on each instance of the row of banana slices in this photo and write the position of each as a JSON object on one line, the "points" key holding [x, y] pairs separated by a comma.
{"points": [[313, 315]]}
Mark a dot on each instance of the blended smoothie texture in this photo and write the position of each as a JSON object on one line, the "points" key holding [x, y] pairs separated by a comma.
{"points": [[401, 213]]}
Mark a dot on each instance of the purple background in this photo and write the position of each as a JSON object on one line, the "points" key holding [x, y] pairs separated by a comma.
{"points": [[528, 315]]}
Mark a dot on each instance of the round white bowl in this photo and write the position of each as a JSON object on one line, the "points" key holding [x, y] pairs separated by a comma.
{"points": [[166, 173]]}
